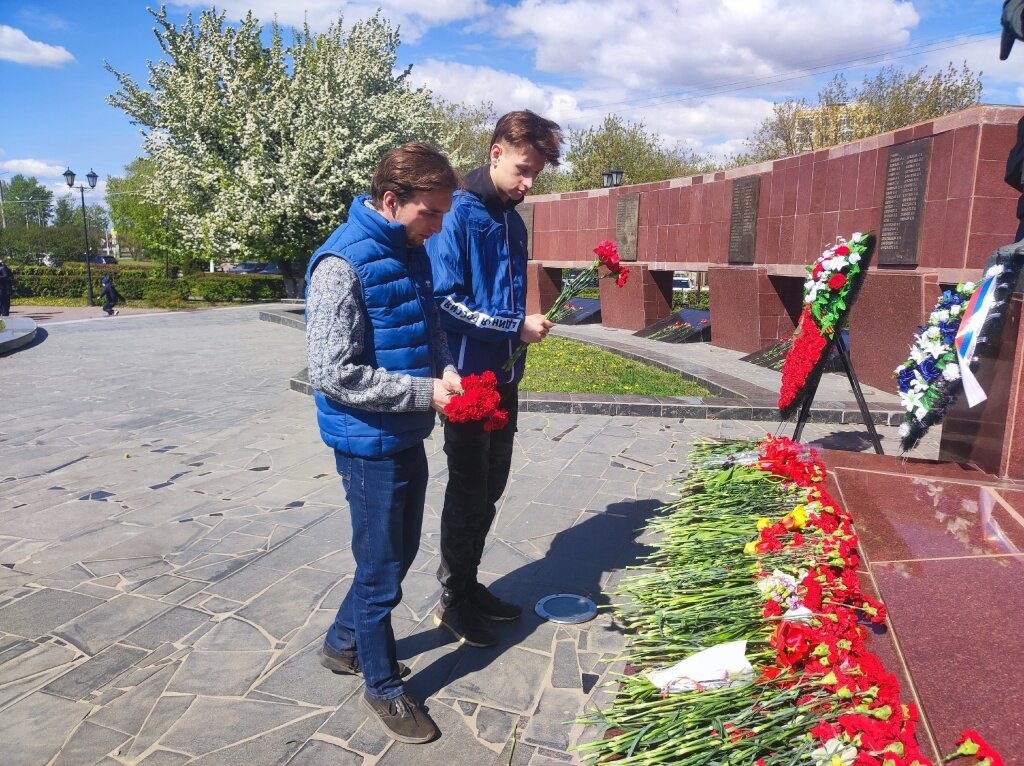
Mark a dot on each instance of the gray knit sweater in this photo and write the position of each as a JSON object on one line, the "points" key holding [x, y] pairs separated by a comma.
{"points": [[335, 334]]}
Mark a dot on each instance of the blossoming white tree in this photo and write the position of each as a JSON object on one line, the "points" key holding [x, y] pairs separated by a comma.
{"points": [[260, 148]]}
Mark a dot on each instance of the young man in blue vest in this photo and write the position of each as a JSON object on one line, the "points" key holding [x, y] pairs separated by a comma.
{"points": [[379, 366], [479, 262]]}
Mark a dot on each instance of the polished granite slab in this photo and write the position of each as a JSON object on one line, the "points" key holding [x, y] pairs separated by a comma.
{"points": [[943, 546]]}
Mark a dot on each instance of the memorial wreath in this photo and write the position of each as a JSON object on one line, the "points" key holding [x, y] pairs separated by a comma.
{"points": [[833, 282]]}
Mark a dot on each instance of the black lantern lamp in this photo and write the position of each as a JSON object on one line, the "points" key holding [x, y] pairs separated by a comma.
{"points": [[612, 177], [69, 176]]}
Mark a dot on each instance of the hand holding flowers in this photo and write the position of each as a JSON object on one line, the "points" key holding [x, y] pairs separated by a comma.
{"points": [[608, 256], [479, 400]]}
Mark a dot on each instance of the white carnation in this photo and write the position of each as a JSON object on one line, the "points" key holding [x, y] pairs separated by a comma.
{"points": [[904, 430], [955, 309], [951, 372], [968, 286]]}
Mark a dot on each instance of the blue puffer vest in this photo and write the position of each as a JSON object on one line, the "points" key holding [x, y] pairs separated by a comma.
{"points": [[398, 299]]}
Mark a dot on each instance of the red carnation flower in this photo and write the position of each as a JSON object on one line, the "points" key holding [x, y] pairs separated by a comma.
{"points": [[623, 276], [842, 250], [479, 400], [836, 281]]}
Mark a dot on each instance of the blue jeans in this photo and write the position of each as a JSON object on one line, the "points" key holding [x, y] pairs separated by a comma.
{"points": [[385, 498]]}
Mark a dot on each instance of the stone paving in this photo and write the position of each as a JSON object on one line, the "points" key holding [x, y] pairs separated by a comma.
{"points": [[175, 542]]}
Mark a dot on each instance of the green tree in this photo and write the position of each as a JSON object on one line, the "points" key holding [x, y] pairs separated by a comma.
{"points": [[642, 155], [64, 211], [143, 226], [259, 149], [894, 98], [26, 202], [891, 99], [464, 132]]}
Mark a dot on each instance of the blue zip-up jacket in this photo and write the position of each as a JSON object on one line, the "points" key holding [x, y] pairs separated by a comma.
{"points": [[479, 262], [398, 300]]}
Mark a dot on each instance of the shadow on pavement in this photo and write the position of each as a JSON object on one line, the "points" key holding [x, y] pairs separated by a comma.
{"points": [[37, 340], [577, 562], [851, 441]]}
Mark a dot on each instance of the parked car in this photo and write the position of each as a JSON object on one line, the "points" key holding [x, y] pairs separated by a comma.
{"points": [[272, 268], [248, 267], [681, 284], [103, 260]]}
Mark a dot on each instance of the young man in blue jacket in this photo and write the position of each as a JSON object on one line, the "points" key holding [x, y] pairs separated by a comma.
{"points": [[479, 262], [378, 363]]}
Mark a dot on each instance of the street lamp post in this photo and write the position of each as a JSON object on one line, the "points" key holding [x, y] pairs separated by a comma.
{"points": [[69, 176]]}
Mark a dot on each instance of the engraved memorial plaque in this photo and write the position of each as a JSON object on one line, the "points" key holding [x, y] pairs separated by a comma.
{"points": [[743, 219], [526, 213], [905, 177], [627, 221]]}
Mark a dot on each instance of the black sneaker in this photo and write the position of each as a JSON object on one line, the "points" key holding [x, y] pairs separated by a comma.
{"points": [[492, 607], [403, 717], [465, 623], [347, 663]]}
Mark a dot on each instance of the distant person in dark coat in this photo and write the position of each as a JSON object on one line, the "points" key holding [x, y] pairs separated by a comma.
{"points": [[110, 296], [6, 287]]}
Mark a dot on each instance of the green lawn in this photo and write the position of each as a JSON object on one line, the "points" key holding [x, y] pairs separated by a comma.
{"points": [[560, 365]]}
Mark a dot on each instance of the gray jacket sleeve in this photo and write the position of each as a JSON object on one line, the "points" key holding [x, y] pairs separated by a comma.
{"points": [[335, 334]]}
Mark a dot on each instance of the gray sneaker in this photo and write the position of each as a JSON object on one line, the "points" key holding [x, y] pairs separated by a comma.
{"points": [[404, 718], [347, 663]]}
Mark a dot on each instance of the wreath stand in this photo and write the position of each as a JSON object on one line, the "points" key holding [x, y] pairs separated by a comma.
{"points": [[865, 413]]}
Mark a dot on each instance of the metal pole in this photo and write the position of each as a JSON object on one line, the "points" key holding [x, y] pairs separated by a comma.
{"points": [[85, 228]]}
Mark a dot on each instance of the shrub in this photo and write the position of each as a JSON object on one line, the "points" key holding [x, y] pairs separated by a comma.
{"points": [[146, 283]]}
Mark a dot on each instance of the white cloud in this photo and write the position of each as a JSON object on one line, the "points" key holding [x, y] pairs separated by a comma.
{"points": [[1000, 78], [507, 91], [28, 167], [717, 124], [659, 44], [16, 46], [414, 17], [33, 17]]}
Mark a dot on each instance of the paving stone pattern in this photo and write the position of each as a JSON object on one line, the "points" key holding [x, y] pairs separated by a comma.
{"points": [[175, 542]]}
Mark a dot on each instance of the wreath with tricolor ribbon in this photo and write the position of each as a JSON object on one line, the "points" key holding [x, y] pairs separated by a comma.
{"points": [[964, 321]]}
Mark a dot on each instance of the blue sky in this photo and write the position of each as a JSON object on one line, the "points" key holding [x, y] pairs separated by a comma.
{"points": [[700, 73]]}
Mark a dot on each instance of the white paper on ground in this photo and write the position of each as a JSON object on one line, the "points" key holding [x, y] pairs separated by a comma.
{"points": [[722, 665]]}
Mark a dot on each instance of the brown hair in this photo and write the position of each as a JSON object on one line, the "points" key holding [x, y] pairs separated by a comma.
{"points": [[411, 168], [525, 128]]}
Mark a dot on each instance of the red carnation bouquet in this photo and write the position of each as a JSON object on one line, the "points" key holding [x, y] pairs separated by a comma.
{"points": [[608, 256], [479, 400]]}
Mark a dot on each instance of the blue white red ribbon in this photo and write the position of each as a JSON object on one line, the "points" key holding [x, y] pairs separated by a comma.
{"points": [[969, 334]]}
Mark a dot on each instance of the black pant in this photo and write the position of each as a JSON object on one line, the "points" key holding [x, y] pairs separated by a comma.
{"points": [[109, 305], [478, 466], [5, 301]]}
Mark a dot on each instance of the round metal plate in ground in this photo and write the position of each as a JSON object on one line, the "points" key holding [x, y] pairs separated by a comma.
{"points": [[566, 608]]}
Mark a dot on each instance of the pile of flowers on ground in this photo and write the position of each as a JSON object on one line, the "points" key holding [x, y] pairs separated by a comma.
{"points": [[833, 281], [757, 554], [479, 401], [930, 379], [607, 256]]}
